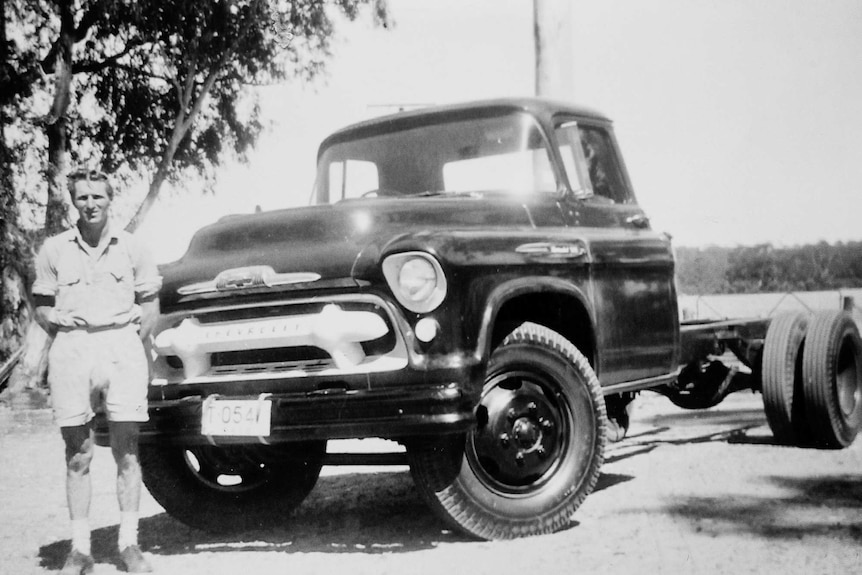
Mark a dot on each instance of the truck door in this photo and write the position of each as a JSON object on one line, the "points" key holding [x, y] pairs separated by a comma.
{"points": [[632, 267]]}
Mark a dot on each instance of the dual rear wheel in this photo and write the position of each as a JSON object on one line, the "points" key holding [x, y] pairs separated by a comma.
{"points": [[812, 379]]}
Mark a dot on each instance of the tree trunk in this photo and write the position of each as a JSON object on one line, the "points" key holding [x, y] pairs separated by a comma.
{"points": [[153, 191], [57, 208], [57, 211]]}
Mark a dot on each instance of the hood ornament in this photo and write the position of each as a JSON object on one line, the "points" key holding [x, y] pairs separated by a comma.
{"points": [[248, 278]]}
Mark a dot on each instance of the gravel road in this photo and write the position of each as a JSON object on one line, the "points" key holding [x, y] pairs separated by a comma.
{"points": [[687, 492]]}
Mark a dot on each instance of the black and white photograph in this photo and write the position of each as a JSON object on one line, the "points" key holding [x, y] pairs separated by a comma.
{"points": [[389, 287]]}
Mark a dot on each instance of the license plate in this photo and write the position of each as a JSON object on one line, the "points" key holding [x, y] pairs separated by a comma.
{"points": [[237, 417]]}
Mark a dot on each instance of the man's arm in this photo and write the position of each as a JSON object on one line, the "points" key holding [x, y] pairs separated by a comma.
{"points": [[45, 315], [44, 289], [149, 315], [147, 284]]}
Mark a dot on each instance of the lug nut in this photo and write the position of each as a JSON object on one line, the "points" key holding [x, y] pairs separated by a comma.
{"points": [[532, 407], [504, 439], [546, 423], [511, 415], [519, 458], [540, 451]]}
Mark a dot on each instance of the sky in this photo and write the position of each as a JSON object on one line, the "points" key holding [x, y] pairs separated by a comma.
{"points": [[740, 121]]}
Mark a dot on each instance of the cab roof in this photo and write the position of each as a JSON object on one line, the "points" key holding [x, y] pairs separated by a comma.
{"points": [[543, 109]]}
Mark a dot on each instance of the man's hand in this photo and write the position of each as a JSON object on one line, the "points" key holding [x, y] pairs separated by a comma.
{"points": [[50, 319], [149, 315], [43, 316]]}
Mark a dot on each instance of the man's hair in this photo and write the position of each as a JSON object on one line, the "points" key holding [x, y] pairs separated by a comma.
{"points": [[84, 175]]}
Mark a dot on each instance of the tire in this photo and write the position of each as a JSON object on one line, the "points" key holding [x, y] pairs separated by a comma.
{"points": [[832, 379], [782, 378], [231, 488], [537, 449]]}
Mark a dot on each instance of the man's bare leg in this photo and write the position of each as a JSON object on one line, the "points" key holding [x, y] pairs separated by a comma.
{"points": [[79, 455], [124, 446]]}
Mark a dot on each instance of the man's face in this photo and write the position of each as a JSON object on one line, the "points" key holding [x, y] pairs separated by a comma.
{"points": [[92, 201]]}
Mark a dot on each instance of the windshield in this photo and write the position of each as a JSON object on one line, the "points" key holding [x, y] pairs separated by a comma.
{"points": [[504, 153]]}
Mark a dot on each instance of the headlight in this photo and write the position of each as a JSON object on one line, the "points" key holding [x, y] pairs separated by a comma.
{"points": [[416, 279]]}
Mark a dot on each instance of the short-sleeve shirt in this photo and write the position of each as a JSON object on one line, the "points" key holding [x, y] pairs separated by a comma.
{"points": [[96, 285]]}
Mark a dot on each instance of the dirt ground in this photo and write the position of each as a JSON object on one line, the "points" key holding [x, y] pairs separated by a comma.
{"points": [[687, 492]]}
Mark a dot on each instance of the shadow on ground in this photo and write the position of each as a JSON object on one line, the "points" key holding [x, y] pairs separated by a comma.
{"points": [[355, 512], [798, 514], [651, 439], [382, 512], [682, 418], [351, 513]]}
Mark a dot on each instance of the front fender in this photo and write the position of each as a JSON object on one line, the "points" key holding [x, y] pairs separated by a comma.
{"points": [[514, 288]]}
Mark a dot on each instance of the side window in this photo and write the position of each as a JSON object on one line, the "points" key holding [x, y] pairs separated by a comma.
{"points": [[351, 179], [591, 162]]}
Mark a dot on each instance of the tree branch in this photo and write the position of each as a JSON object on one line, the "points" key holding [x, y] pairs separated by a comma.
{"points": [[189, 85], [132, 69], [212, 76], [109, 62], [87, 20]]}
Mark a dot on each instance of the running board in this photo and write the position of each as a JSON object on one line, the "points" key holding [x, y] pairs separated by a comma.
{"points": [[641, 384]]}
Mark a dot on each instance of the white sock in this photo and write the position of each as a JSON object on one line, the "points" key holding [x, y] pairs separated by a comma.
{"points": [[128, 529], [81, 535]]}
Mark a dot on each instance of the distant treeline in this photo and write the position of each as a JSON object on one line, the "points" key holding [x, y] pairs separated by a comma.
{"points": [[765, 268]]}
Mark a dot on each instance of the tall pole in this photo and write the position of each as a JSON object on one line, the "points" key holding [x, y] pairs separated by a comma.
{"points": [[552, 29]]}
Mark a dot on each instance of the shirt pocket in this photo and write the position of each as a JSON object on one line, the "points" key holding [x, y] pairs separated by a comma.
{"points": [[118, 264]]}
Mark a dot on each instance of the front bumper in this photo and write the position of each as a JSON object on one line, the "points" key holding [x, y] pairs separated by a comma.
{"points": [[390, 413]]}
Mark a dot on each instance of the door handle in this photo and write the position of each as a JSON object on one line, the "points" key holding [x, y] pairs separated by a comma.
{"points": [[553, 250]]}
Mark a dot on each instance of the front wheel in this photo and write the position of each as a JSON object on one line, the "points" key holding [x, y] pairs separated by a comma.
{"points": [[231, 488], [536, 451]]}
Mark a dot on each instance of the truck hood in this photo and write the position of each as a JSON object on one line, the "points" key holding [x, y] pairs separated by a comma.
{"points": [[328, 240]]}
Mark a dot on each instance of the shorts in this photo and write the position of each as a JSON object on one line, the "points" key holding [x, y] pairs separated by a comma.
{"points": [[100, 369]]}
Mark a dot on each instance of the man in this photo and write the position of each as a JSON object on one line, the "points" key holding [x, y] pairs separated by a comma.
{"points": [[96, 291]]}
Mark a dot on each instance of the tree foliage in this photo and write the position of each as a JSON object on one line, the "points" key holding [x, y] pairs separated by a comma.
{"points": [[765, 268], [14, 245], [160, 87], [153, 88]]}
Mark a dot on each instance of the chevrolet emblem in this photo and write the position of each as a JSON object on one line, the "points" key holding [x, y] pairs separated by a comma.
{"points": [[248, 278]]}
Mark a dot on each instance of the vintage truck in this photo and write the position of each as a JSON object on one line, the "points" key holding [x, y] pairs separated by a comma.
{"points": [[476, 282]]}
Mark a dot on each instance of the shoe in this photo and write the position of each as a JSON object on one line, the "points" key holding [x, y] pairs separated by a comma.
{"points": [[77, 564], [134, 560]]}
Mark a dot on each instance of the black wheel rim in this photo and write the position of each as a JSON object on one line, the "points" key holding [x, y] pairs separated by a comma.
{"points": [[847, 378], [524, 429]]}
